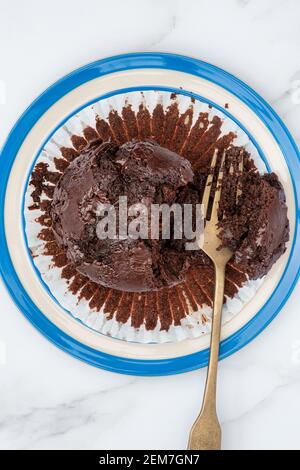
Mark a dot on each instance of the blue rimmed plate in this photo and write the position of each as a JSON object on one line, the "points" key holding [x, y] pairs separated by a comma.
{"points": [[111, 76]]}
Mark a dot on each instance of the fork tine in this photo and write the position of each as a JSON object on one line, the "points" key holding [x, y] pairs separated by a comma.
{"points": [[206, 194], [215, 206]]}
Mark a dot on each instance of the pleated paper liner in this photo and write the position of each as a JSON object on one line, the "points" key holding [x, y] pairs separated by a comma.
{"points": [[184, 125]]}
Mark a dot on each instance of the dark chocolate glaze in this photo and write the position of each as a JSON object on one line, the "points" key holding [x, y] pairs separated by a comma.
{"points": [[144, 172]]}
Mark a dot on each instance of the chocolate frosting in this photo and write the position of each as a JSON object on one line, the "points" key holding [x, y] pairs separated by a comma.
{"points": [[144, 172]]}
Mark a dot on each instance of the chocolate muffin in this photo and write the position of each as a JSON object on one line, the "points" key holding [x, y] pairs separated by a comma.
{"points": [[145, 173], [180, 283]]}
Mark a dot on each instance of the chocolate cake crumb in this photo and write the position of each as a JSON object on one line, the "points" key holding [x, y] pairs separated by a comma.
{"points": [[60, 260], [195, 135], [51, 248], [90, 134], [164, 311], [69, 153], [144, 122], [158, 123], [61, 164], [79, 142], [151, 310], [130, 122], [117, 127], [138, 310], [182, 130], [40, 177], [44, 219], [103, 130], [77, 283], [99, 298], [176, 307], [171, 119], [125, 308], [206, 141], [255, 227], [87, 291], [68, 271], [46, 235]]}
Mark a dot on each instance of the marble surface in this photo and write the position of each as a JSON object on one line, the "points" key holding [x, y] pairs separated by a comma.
{"points": [[49, 400]]}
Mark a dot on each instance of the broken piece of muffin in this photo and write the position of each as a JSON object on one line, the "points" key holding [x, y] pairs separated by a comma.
{"points": [[255, 226]]}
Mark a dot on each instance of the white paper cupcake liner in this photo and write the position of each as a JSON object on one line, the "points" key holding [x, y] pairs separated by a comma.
{"points": [[193, 324]]}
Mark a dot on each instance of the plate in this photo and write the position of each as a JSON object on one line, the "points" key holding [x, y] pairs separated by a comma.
{"points": [[108, 78]]}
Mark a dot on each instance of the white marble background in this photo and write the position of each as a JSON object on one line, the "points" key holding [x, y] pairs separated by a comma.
{"points": [[48, 400]]}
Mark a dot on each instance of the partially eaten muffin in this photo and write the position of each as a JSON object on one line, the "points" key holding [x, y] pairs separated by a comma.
{"points": [[254, 225]]}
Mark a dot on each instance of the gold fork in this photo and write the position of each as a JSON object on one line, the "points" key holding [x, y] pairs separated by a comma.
{"points": [[206, 431]]}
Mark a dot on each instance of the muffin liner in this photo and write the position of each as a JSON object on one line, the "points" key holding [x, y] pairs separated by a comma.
{"points": [[198, 319]]}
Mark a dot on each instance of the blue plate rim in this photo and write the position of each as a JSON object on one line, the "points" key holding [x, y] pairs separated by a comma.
{"points": [[162, 61]]}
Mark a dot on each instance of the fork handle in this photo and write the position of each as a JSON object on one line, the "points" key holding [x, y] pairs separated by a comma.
{"points": [[209, 399]]}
